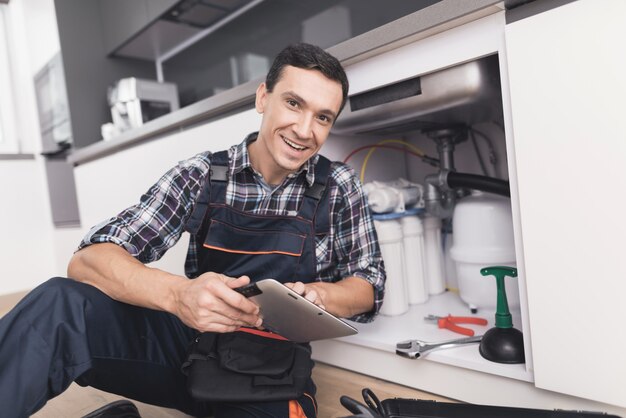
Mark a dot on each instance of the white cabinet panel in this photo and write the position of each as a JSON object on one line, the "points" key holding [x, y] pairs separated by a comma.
{"points": [[566, 72]]}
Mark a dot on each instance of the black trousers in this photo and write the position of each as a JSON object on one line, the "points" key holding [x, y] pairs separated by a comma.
{"points": [[65, 331]]}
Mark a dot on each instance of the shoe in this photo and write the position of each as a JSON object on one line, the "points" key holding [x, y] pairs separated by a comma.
{"points": [[117, 409]]}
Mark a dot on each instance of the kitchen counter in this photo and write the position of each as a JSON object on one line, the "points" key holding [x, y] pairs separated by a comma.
{"points": [[17, 156], [421, 24]]}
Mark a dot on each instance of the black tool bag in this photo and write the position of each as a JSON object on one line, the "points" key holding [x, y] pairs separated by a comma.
{"points": [[244, 367], [417, 408]]}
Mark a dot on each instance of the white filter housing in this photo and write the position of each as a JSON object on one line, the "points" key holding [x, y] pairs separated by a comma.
{"points": [[396, 301], [482, 236], [433, 252], [413, 241]]}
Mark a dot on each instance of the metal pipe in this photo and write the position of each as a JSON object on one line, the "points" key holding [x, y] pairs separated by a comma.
{"points": [[439, 199]]}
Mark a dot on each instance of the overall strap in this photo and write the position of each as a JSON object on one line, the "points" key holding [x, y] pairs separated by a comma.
{"points": [[215, 185], [315, 201]]}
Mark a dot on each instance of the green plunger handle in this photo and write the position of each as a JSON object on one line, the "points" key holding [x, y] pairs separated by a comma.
{"points": [[503, 315]]}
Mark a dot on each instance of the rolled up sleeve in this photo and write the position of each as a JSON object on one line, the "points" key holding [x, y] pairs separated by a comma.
{"points": [[149, 228]]}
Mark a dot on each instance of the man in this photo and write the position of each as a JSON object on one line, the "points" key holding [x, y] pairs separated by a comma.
{"points": [[124, 327]]}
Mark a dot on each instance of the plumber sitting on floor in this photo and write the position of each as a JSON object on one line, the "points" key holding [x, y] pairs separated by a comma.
{"points": [[126, 328]]}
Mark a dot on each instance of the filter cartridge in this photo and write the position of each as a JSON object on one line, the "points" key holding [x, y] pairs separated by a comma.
{"points": [[414, 256], [391, 246], [434, 255]]}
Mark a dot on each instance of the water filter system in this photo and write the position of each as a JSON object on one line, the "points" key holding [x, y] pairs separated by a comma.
{"points": [[436, 237], [394, 196], [408, 220], [410, 244], [482, 222], [403, 245]]}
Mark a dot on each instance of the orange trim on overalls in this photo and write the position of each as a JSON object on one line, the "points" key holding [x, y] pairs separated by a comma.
{"points": [[295, 410], [250, 252], [266, 334]]}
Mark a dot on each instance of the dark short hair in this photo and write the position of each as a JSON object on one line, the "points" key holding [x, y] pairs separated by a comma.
{"points": [[307, 56]]}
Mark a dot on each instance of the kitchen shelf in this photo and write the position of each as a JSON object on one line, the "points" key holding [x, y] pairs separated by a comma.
{"points": [[386, 331]]}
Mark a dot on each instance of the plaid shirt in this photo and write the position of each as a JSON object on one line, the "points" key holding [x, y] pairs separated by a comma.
{"points": [[148, 229]]}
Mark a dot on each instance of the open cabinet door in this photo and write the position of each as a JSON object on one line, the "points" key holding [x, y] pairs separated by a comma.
{"points": [[567, 70]]}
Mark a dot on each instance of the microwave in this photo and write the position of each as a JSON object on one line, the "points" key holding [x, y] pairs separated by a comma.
{"points": [[53, 107]]}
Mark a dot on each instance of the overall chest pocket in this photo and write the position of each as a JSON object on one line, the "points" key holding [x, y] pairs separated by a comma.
{"points": [[224, 237]]}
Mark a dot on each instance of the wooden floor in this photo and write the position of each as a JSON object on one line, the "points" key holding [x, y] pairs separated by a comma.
{"points": [[332, 382]]}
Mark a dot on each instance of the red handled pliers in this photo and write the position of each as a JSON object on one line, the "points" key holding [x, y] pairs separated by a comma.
{"points": [[450, 322]]}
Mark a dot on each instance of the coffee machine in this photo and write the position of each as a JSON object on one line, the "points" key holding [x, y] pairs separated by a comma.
{"points": [[134, 101]]}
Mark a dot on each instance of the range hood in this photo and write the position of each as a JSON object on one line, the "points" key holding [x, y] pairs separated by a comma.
{"points": [[464, 94], [181, 25]]}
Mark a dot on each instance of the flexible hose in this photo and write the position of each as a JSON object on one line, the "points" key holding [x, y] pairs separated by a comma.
{"points": [[482, 183], [388, 141]]}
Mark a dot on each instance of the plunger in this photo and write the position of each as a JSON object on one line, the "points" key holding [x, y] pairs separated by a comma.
{"points": [[503, 343]]}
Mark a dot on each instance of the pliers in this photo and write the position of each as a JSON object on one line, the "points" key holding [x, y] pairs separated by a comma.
{"points": [[449, 322]]}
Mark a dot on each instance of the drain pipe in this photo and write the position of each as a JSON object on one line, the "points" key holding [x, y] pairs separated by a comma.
{"points": [[472, 181], [439, 198], [440, 194]]}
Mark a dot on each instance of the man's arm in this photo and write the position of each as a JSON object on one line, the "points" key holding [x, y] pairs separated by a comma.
{"points": [[113, 255], [206, 303]]}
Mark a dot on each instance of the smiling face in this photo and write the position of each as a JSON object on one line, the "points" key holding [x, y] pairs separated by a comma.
{"points": [[297, 117]]}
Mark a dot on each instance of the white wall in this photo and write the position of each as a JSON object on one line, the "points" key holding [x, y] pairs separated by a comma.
{"points": [[41, 34], [26, 256], [28, 250], [33, 40]]}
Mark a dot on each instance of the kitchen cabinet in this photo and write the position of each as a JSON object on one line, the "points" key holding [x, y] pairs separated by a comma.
{"points": [[88, 71], [562, 81], [156, 8], [566, 76], [123, 19]]}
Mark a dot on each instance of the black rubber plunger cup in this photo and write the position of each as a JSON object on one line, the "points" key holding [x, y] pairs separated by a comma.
{"points": [[503, 343]]}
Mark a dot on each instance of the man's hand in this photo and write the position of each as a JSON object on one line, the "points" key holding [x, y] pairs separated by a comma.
{"points": [[209, 303], [309, 293], [345, 298]]}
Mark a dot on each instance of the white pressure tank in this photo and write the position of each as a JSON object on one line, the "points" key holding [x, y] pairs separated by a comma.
{"points": [[482, 236]]}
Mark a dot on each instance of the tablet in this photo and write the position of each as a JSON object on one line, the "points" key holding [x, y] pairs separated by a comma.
{"points": [[290, 315]]}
